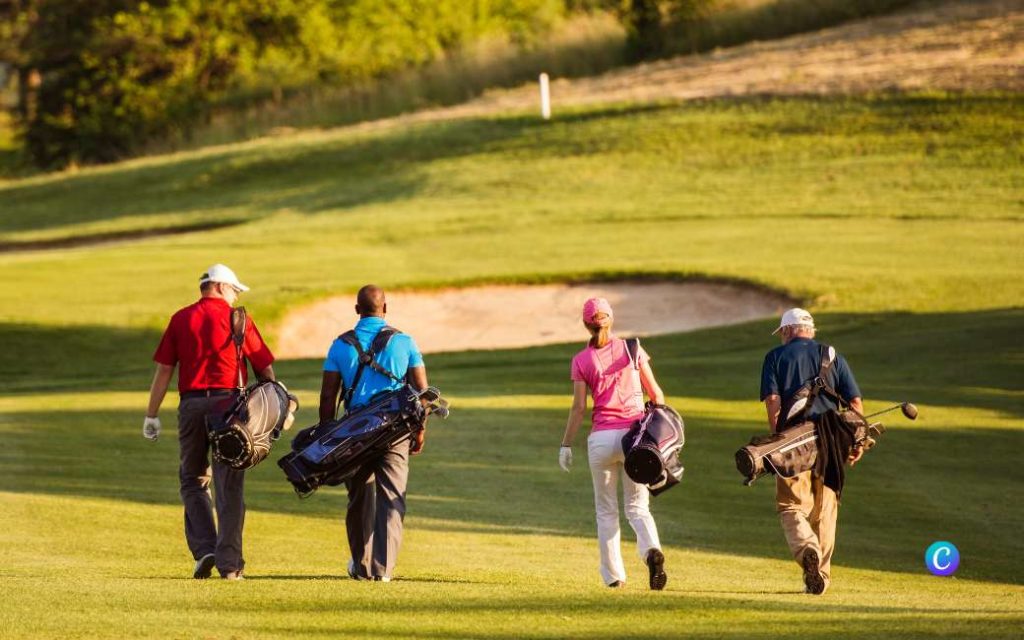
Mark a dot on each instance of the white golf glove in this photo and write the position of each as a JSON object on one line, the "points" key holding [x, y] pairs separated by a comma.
{"points": [[151, 428], [565, 458]]}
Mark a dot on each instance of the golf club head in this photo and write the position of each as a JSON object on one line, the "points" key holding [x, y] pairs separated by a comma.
{"points": [[909, 410], [430, 394]]}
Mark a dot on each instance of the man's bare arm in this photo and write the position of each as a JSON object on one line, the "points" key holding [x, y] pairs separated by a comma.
{"points": [[329, 388], [266, 374], [158, 388], [857, 452], [773, 405], [418, 378]]}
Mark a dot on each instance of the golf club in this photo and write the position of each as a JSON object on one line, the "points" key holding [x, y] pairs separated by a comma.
{"points": [[908, 408]]}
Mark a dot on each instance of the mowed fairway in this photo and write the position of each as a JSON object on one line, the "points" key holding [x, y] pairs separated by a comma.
{"points": [[898, 219]]}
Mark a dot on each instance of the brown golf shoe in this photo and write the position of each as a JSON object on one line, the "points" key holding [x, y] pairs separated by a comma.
{"points": [[813, 580]]}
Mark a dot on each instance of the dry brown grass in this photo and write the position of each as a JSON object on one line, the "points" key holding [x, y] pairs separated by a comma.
{"points": [[953, 46]]}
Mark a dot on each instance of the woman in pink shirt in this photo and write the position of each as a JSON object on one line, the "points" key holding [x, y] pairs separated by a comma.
{"points": [[603, 370]]}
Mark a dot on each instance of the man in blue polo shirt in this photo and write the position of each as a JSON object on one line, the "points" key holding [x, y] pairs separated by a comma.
{"points": [[807, 508], [376, 494]]}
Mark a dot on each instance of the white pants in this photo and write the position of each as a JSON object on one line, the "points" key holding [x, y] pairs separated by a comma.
{"points": [[604, 449]]}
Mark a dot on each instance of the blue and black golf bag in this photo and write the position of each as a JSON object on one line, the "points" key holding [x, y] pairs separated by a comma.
{"points": [[331, 453]]}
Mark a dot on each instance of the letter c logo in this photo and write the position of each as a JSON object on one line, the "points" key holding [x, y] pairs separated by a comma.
{"points": [[942, 558]]}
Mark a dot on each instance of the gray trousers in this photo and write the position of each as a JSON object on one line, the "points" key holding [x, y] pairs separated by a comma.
{"points": [[202, 535], [376, 511]]}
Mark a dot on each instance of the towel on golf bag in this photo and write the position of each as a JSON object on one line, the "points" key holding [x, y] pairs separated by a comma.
{"points": [[332, 452], [836, 437], [652, 447], [241, 437], [800, 447]]}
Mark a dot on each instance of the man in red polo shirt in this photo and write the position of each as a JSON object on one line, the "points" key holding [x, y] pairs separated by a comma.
{"points": [[198, 338]]}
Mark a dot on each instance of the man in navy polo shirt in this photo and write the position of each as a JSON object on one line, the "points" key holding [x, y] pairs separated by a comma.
{"points": [[198, 338], [807, 508], [376, 494]]}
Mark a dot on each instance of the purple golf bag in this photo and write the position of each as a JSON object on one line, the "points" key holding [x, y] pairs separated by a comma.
{"points": [[652, 449]]}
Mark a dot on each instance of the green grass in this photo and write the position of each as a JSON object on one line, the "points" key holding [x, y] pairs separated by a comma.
{"points": [[898, 219]]}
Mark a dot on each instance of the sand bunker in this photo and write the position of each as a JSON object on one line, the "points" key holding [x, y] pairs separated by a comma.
{"points": [[505, 317]]}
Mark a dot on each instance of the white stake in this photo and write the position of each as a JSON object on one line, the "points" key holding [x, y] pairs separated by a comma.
{"points": [[545, 97]]}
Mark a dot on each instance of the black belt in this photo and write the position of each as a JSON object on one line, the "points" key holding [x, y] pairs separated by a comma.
{"points": [[206, 393]]}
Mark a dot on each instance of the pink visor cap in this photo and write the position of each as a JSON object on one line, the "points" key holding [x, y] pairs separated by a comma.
{"points": [[595, 306]]}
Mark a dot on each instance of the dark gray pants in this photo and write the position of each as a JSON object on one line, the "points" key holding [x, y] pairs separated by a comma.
{"points": [[376, 510], [202, 535]]}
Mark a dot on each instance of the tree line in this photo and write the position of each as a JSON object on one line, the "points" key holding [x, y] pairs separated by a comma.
{"points": [[97, 79]]}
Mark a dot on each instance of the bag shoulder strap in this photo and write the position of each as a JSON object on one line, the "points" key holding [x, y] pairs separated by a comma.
{"points": [[367, 358], [633, 351], [239, 323], [820, 383]]}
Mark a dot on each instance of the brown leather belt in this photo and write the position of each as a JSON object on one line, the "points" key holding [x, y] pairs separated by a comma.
{"points": [[206, 393]]}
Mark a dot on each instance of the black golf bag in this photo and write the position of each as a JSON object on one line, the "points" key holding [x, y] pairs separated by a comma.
{"points": [[242, 436], [785, 454], [331, 453], [794, 448], [652, 447]]}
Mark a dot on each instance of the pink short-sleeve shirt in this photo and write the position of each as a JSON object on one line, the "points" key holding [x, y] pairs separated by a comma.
{"points": [[613, 382]]}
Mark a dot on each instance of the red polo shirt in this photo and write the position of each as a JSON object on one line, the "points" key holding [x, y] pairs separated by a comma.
{"points": [[199, 338]]}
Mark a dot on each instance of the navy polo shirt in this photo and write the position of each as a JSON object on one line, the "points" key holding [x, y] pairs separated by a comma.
{"points": [[790, 366], [398, 357]]}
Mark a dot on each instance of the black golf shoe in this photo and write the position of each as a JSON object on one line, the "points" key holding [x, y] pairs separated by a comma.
{"points": [[813, 580], [204, 567], [656, 569]]}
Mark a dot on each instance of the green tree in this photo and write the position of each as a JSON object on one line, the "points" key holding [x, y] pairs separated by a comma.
{"points": [[117, 73]]}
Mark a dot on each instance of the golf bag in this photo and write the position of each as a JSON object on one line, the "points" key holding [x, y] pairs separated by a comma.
{"points": [[652, 447], [331, 453], [242, 436], [794, 448]]}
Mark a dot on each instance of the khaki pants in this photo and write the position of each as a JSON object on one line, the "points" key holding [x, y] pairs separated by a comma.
{"points": [[808, 511]]}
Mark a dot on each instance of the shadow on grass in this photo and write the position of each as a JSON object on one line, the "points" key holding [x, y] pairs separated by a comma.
{"points": [[636, 614], [494, 471], [307, 178], [335, 577], [35, 359], [940, 359], [485, 471]]}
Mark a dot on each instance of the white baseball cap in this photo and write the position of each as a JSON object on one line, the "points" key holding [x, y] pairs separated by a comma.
{"points": [[795, 316], [221, 273]]}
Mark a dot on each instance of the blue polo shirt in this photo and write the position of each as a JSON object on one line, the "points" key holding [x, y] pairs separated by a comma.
{"points": [[790, 366], [400, 354]]}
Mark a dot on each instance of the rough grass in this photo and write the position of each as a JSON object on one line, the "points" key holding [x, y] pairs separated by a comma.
{"points": [[910, 254]]}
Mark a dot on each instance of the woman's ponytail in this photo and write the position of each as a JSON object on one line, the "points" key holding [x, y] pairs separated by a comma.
{"points": [[600, 330]]}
